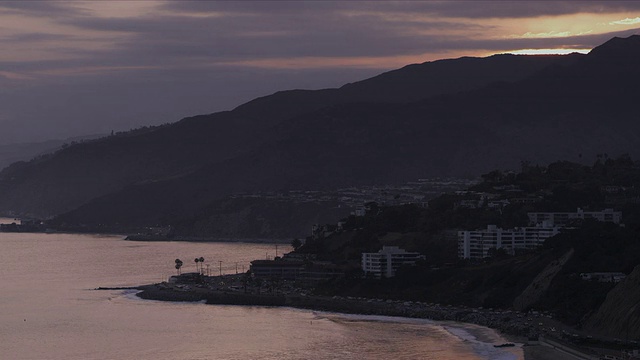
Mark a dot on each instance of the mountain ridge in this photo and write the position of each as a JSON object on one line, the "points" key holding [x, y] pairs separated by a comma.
{"points": [[182, 147], [331, 142]]}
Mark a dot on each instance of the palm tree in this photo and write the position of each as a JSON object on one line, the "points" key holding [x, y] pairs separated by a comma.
{"points": [[201, 259], [197, 260], [178, 265]]}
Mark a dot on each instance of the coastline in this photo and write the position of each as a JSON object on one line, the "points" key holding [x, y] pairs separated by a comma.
{"points": [[495, 320], [153, 238]]}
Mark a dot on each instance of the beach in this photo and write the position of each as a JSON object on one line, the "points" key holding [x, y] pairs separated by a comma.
{"points": [[507, 323]]}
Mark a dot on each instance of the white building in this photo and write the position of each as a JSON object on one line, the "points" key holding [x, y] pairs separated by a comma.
{"points": [[562, 218], [614, 277], [387, 261], [359, 211], [476, 244]]}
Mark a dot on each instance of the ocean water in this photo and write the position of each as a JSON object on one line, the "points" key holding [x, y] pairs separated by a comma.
{"points": [[50, 310]]}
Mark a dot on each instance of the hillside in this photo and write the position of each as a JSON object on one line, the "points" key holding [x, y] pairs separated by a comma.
{"points": [[545, 279], [71, 177], [566, 108], [619, 315]]}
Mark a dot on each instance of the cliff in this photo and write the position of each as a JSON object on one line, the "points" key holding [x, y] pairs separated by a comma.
{"points": [[619, 315], [532, 294]]}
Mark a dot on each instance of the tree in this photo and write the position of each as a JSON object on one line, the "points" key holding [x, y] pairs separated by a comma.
{"points": [[296, 243], [197, 260], [178, 265]]}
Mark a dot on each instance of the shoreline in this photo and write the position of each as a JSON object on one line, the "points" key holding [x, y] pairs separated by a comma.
{"points": [[153, 238], [492, 319]]}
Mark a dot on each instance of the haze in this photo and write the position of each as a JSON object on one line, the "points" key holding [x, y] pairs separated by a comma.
{"points": [[77, 68]]}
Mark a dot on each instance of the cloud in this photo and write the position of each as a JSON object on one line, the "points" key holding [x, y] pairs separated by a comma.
{"points": [[549, 34], [470, 9], [197, 34], [13, 75], [497, 9], [170, 38], [46, 9], [156, 61], [626, 21], [33, 36], [549, 51]]}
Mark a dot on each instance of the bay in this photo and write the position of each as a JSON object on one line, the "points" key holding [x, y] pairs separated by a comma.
{"points": [[49, 309]]}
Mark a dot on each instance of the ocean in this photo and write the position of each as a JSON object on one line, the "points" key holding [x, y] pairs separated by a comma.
{"points": [[49, 309]]}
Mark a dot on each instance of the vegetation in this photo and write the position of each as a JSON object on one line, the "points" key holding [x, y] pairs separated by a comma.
{"points": [[497, 281], [201, 261], [296, 243], [178, 265], [378, 131]]}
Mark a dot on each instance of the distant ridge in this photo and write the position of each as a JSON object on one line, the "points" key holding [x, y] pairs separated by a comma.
{"points": [[446, 118], [619, 49]]}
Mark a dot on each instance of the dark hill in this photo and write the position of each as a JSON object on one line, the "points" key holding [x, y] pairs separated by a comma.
{"points": [[75, 175], [382, 130], [410, 83], [584, 107], [619, 315]]}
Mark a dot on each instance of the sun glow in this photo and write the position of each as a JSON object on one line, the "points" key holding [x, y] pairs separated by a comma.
{"points": [[548, 51], [626, 21]]}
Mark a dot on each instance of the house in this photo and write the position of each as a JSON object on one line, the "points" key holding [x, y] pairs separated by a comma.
{"points": [[526, 200], [468, 204], [359, 211], [323, 231], [292, 267], [563, 218], [612, 189], [387, 261], [476, 244], [281, 269], [614, 277], [322, 270]]}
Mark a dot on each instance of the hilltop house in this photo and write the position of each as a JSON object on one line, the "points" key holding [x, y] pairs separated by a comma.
{"points": [[387, 261], [563, 218], [476, 244], [543, 225]]}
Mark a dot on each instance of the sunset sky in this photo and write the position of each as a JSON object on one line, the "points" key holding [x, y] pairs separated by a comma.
{"points": [[76, 68]]}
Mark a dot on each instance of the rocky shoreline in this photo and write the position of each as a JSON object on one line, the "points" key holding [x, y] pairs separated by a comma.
{"points": [[147, 237], [521, 328], [503, 321]]}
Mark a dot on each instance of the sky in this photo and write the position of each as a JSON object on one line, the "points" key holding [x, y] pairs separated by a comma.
{"points": [[73, 68]]}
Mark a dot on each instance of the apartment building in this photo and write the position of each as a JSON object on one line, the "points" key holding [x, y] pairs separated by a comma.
{"points": [[387, 261], [563, 218], [476, 244]]}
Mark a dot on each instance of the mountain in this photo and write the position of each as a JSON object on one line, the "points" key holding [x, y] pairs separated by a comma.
{"points": [[10, 153], [73, 176], [451, 117]]}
